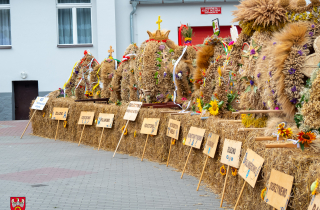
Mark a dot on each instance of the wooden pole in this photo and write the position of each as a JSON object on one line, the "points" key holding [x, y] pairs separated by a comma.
{"points": [[28, 124], [81, 134], [250, 129], [257, 111], [204, 167], [169, 152], [120, 139], [284, 145], [57, 130], [186, 163], [100, 138], [240, 195], [268, 138], [224, 187], [144, 149]]}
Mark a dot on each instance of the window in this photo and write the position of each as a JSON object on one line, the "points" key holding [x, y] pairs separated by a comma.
{"points": [[5, 24], [74, 22]]}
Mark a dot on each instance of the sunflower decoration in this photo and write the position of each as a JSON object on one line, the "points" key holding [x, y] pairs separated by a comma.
{"points": [[126, 131], [263, 193], [135, 134], [173, 141], [65, 124], [314, 187], [214, 109], [43, 114], [223, 170], [90, 94], [98, 93], [234, 171], [283, 131], [184, 141], [305, 138], [50, 115]]}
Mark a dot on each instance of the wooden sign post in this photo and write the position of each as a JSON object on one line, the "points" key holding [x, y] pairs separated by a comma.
{"points": [[279, 189], [104, 121], [86, 118], [130, 115], [194, 139], [173, 132], [149, 127], [315, 203], [249, 170], [38, 104], [230, 156], [210, 150], [59, 113]]}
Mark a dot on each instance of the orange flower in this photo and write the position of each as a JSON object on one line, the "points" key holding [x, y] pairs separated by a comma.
{"points": [[306, 137]]}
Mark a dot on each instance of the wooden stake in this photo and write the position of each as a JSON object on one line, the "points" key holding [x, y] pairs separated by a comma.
{"points": [[57, 130], [268, 138], [100, 138], [169, 152], [186, 163], [28, 124], [120, 139], [257, 111], [144, 149], [204, 167], [224, 187], [250, 129], [81, 134], [240, 195], [284, 145]]}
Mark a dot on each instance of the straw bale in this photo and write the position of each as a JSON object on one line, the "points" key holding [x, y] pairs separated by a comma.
{"points": [[302, 165]]}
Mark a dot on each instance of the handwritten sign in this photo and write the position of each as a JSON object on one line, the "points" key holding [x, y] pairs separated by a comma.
{"points": [[105, 120], [211, 145], [39, 103], [231, 153], [173, 129], [250, 167], [279, 189], [86, 118], [132, 110], [59, 113], [315, 203], [150, 126], [195, 137]]}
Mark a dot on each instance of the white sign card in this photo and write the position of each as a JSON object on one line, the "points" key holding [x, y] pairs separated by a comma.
{"points": [[195, 137], [231, 153], [315, 203], [173, 129], [86, 118], [59, 113], [279, 189], [150, 126], [211, 145], [105, 120], [132, 110], [39, 103], [250, 167]]}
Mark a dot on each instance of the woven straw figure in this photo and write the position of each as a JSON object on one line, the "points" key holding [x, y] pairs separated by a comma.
{"points": [[156, 79], [183, 72], [128, 83], [107, 71]]}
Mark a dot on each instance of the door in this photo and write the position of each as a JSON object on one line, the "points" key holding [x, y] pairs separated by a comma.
{"points": [[24, 93]]}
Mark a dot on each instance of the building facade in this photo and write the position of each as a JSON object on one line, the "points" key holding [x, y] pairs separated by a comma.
{"points": [[40, 41]]}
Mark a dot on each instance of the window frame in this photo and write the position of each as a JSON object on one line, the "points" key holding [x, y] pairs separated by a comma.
{"points": [[7, 6], [73, 7]]}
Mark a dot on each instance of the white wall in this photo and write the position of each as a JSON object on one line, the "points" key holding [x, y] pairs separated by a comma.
{"points": [[172, 16], [34, 43]]}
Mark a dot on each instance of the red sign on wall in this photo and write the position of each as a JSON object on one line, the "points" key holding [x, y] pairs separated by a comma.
{"points": [[210, 10]]}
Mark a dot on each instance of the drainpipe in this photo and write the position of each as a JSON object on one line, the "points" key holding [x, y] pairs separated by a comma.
{"points": [[134, 6]]}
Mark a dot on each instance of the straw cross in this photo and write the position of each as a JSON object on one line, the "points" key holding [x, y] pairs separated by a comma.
{"points": [[110, 51], [158, 22]]}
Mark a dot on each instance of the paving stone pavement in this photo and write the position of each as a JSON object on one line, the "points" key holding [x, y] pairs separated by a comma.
{"points": [[60, 175]]}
